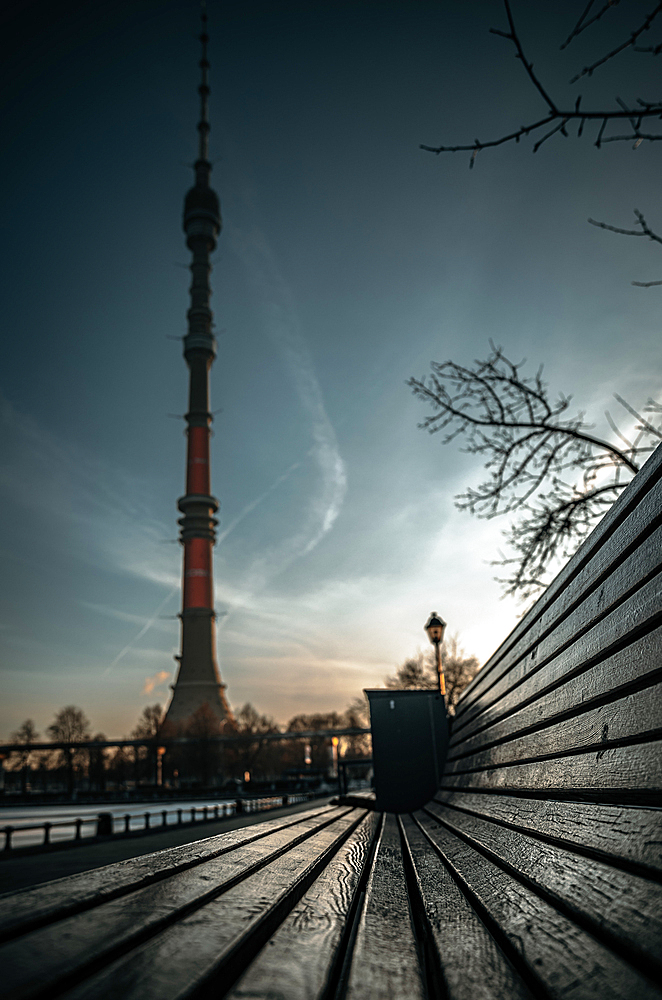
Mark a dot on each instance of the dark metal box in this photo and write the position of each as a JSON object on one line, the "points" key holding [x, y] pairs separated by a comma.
{"points": [[409, 744]]}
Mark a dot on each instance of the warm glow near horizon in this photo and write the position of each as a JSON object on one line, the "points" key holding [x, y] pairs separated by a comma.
{"points": [[349, 259]]}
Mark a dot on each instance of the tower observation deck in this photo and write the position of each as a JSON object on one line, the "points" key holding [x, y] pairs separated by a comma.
{"points": [[198, 680]]}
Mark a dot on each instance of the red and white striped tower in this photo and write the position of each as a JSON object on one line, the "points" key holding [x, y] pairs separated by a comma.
{"points": [[198, 680]]}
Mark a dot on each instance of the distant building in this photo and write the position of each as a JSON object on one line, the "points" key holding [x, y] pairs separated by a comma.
{"points": [[198, 681]]}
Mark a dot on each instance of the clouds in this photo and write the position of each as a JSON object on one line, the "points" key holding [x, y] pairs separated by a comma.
{"points": [[145, 628], [353, 261], [282, 326], [97, 512], [155, 681]]}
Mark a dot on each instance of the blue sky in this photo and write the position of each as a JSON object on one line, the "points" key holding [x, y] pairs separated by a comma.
{"points": [[349, 260]]}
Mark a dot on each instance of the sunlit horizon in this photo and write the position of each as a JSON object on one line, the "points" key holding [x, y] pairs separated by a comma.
{"points": [[349, 260]]}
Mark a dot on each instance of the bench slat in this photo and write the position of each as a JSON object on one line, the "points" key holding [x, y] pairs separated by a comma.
{"points": [[624, 774], [633, 717], [70, 945], [213, 944], [624, 524], [37, 905], [473, 966], [567, 960], [385, 963], [300, 957], [641, 612], [625, 834], [631, 665], [633, 917]]}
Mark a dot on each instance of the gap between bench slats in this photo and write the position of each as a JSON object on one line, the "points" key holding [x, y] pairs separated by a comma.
{"points": [[72, 948], [561, 692], [36, 906], [625, 909], [633, 514], [578, 651], [385, 960], [304, 958], [203, 954], [589, 607], [564, 959], [627, 836], [631, 519], [472, 961], [635, 718]]}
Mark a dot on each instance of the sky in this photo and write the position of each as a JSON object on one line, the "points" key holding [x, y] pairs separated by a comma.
{"points": [[349, 260]]}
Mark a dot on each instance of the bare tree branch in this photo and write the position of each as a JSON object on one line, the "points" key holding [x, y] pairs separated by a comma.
{"points": [[588, 70], [644, 231], [582, 23], [560, 117], [541, 462]]}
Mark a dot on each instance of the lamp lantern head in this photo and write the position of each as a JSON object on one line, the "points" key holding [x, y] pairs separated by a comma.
{"points": [[435, 628]]}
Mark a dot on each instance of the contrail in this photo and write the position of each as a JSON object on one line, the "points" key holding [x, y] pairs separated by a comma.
{"points": [[282, 325], [144, 629], [254, 503]]}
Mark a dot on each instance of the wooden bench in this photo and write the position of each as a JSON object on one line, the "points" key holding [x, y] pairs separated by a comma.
{"points": [[533, 873]]}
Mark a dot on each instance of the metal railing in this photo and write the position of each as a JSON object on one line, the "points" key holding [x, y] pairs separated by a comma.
{"points": [[106, 823]]}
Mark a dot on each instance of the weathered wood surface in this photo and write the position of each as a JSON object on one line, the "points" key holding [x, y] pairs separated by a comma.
{"points": [[628, 836], [621, 774], [385, 963], [471, 964], [70, 946], [549, 695], [307, 950], [548, 816], [37, 905], [634, 515], [630, 719], [576, 647], [633, 518], [633, 918], [563, 959]]}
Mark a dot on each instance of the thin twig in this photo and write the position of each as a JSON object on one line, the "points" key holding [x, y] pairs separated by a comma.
{"points": [[647, 109], [588, 70], [582, 25], [648, 427], [654, 50]]}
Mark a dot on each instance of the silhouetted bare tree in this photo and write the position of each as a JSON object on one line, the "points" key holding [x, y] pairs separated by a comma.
{"points": [[257, 756], [420, 671], [548, 466], [149, 722], [70, 725], [25, 734]]}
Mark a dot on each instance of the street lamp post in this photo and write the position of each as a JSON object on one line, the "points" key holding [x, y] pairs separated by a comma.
{"points": [[159, 765], [435, 629]]}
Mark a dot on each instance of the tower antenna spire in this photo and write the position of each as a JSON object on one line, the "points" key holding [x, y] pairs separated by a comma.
{"points": [[198, 682], [203, 89]]}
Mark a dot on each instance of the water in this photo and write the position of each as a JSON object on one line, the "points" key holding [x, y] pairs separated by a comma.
{"points": [[32, 815]]}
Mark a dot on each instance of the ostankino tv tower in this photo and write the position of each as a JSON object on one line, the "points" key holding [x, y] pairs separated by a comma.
{"points": [[198, 680]]}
